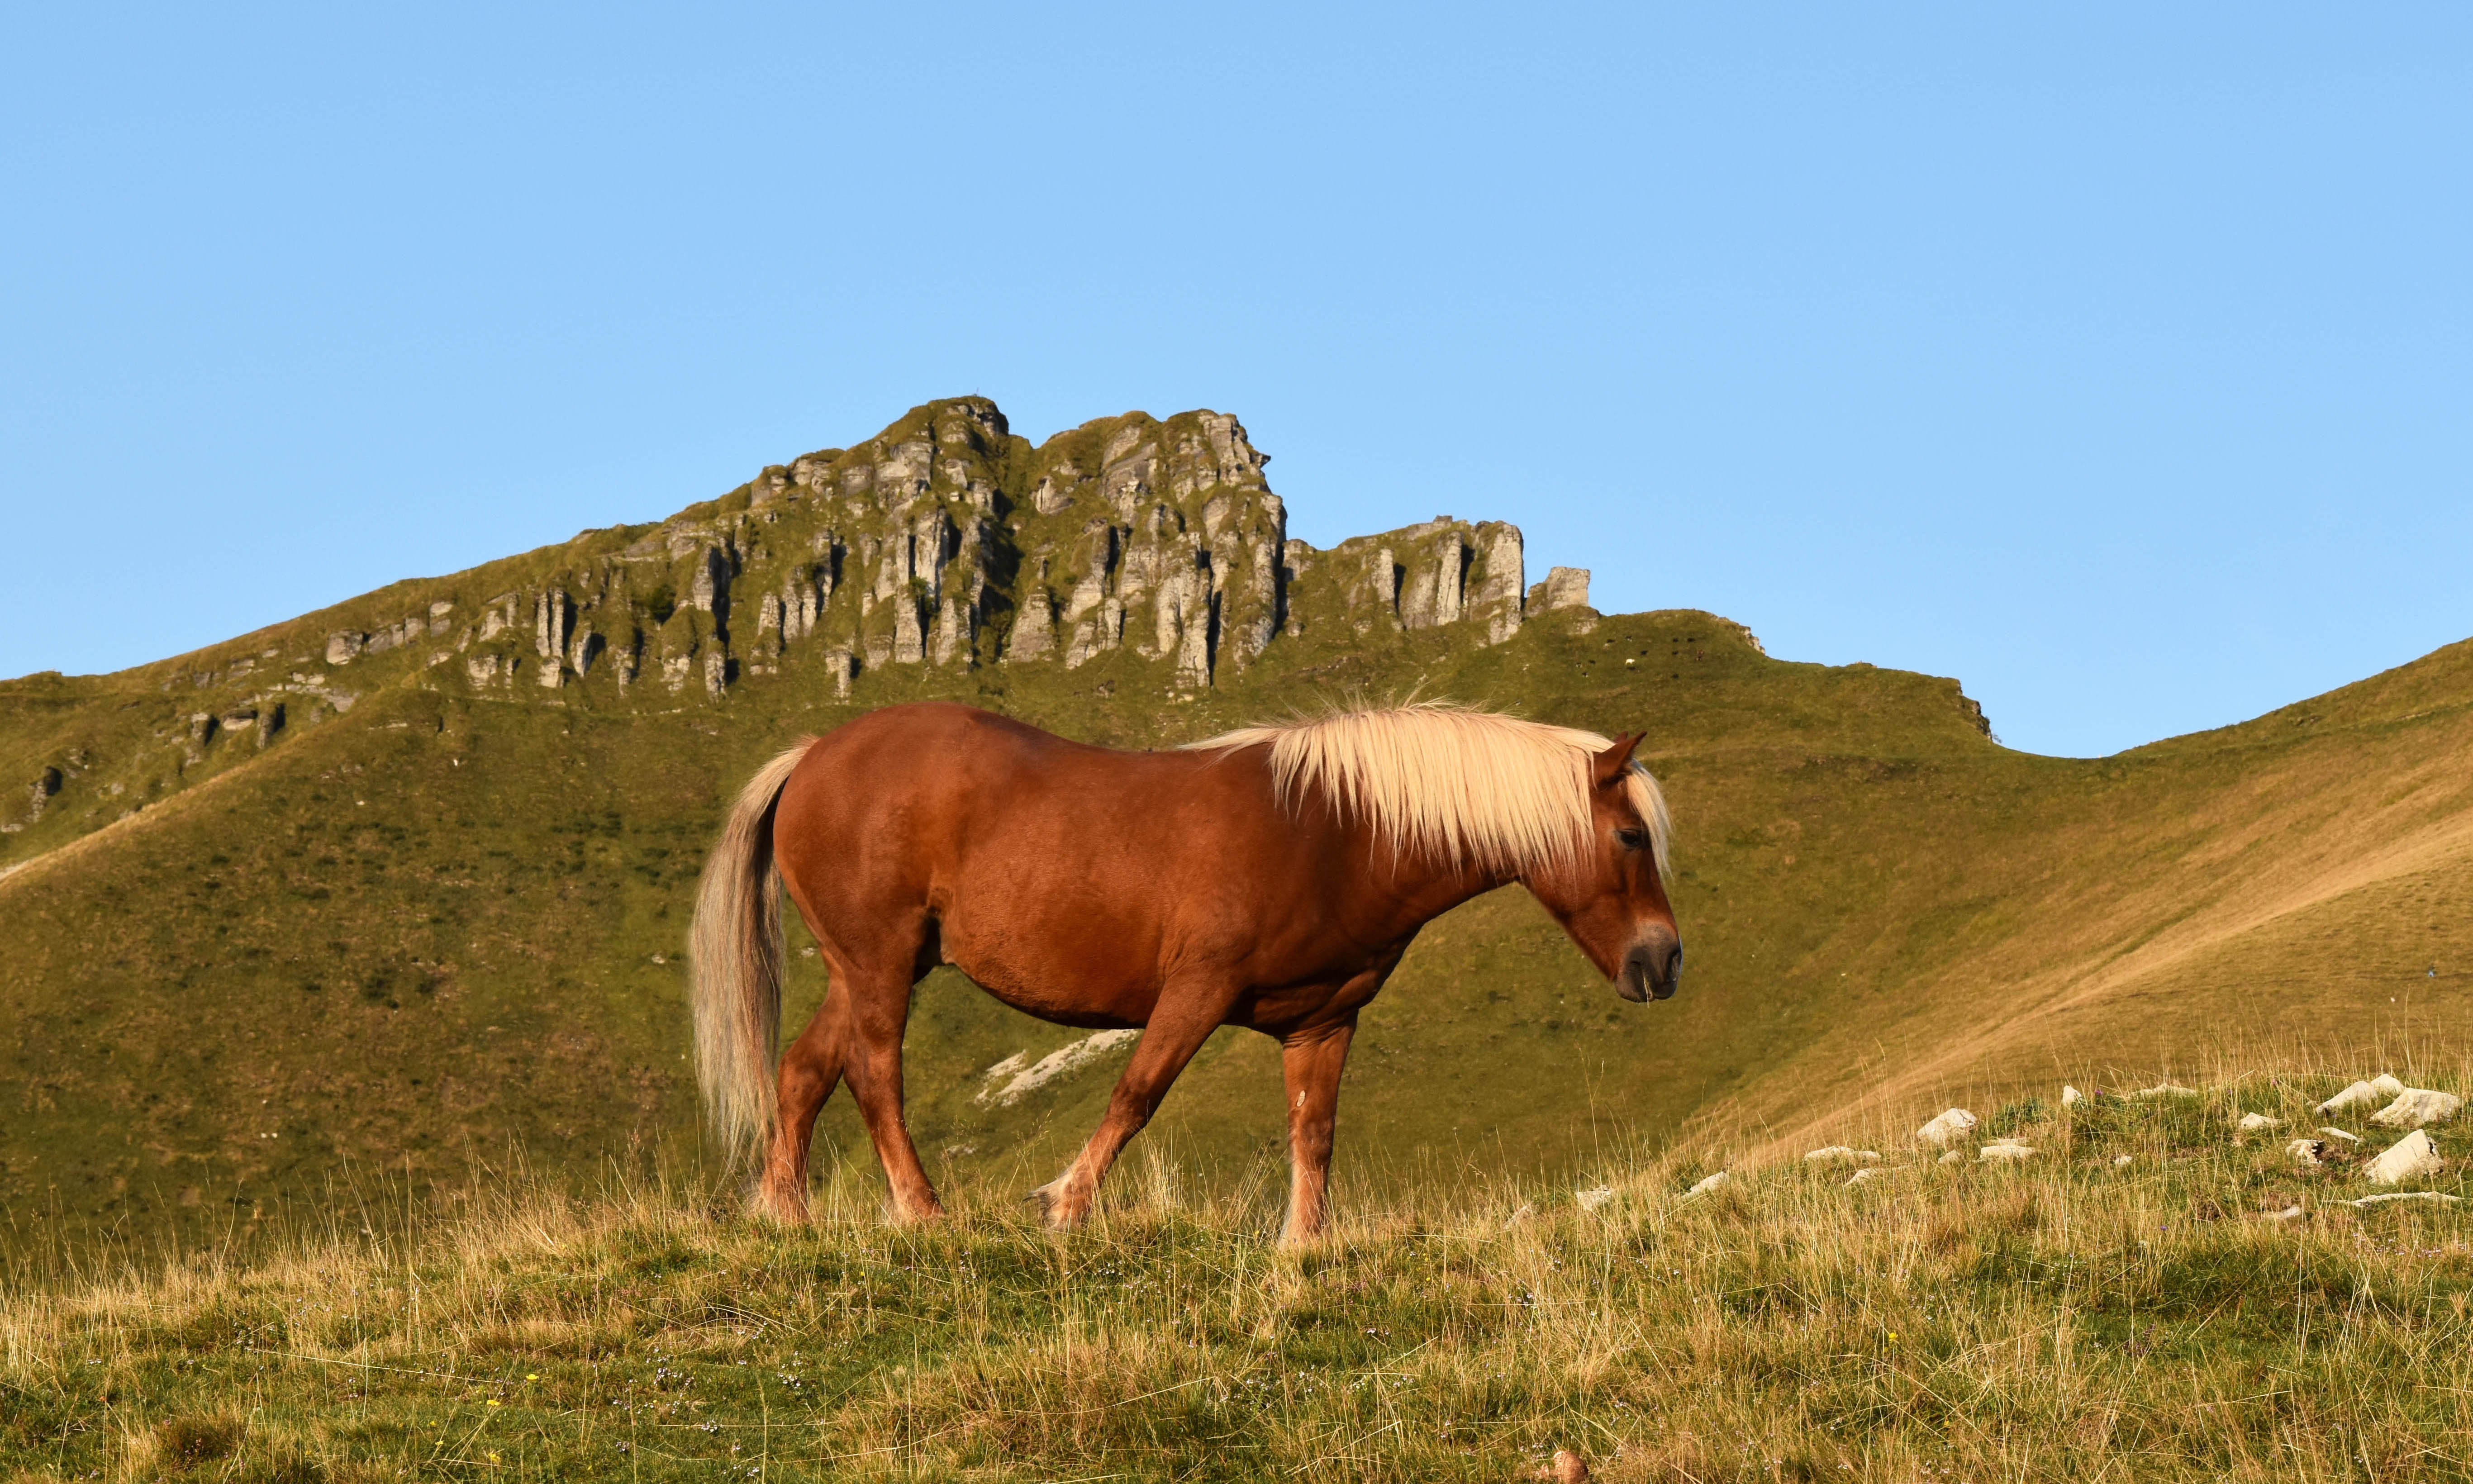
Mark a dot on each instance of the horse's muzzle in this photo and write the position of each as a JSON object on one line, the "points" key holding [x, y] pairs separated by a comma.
{"points": [[1651, 967]]}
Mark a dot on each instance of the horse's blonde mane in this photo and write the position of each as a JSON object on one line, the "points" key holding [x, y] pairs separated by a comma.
{"points": [[1441, 780]]}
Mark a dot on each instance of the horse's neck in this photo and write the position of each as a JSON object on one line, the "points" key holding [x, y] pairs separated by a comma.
{"points": [[1418, 891]]}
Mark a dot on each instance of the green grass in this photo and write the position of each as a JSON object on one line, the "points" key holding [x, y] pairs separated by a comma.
{"points": [[2064, 1319]]}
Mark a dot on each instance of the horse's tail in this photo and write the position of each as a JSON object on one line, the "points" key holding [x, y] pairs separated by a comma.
{"points": [[734, 954]]}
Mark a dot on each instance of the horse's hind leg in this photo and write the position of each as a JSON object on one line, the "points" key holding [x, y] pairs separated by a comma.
{"points": [[810, 1069], [879, 1009]]}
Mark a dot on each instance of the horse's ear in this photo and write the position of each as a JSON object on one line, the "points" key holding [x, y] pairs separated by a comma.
{"points": [[1609, 765]]}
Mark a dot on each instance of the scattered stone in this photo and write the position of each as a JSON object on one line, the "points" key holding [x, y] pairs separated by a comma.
{"points": [[2004, 1151], [1866, 1173], [2307, 1152], [1953, 1156], [2168, 1088], [2410, 1158], [2071, 1097], [2252, 1123], [1594, 1200], [1947, 1129], [2332, 1132], [2119, 1160], [1567, 1468], [1839, 1154], [2384, 1085], [2368, 1201], [2417, 1108], [2358, 1093], [2289, 1214], [1708, 1183]]}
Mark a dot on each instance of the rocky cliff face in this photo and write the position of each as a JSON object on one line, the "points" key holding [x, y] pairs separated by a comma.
{"points": [[945, 540], [1153, 550]]}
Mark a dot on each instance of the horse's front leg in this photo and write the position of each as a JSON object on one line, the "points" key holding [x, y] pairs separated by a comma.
{"points": [[1312, 1061], [1180, 1023]]}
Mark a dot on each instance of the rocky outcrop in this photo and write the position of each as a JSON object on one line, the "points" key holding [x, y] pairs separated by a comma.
{"points": [[47, 784], [947, 542], [1563, 586]]}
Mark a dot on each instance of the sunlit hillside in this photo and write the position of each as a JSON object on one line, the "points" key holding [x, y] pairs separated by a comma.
{"points": [[403, 884]]}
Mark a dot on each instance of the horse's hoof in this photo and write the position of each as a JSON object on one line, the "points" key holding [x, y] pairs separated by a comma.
{"points": [[1053, 1213], [778, 1207]]}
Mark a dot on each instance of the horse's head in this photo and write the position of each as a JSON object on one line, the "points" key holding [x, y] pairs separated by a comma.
{"points": [[1611, 895]]}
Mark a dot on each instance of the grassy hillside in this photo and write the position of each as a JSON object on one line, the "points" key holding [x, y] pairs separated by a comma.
{"points": [[2145, 1296], [437, 912]]}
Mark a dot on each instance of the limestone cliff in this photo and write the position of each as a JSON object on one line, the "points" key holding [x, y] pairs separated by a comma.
{"points": [[947, 540], [1151, 549]]}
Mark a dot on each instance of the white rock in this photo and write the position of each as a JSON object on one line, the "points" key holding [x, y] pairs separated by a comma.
{"points": [[1953, 1156], [1022, 1081], [1839, 1154], [2350, 1138], [1947, 1129], [2307, 1151], [2410, 1158], [2289, 1214], [1708, 1183], [1864, 1174], [2119, 1160], [2252, 1123], [2384, 1085], [2166, 1088], [2006, 1150], [2417, 1108], [2403, 1195], [2070, 1096], [2359, 1092], [1594, 1200]]}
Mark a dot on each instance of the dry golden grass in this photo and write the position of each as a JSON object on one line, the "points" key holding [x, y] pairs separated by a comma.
{"points": [[2069, 1318]]}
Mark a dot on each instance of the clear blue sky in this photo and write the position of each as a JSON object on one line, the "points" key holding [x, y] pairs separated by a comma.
{"points": [[2116, 360]]}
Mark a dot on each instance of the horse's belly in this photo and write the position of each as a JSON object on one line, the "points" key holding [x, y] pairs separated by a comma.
{"points": [[1089, 978], [1059, 998]]}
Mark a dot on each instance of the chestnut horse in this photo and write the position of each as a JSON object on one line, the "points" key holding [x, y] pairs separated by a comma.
{"points": [[1269, 878]]}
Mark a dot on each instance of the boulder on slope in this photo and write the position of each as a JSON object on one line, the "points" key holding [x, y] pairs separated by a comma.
{"points": [[2412, 1157], [1947, 1129], [2417, 1108], [2353, 1096]]}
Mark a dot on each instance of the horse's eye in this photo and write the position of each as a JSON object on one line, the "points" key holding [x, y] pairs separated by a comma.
{"points": [[1631, 839]]}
